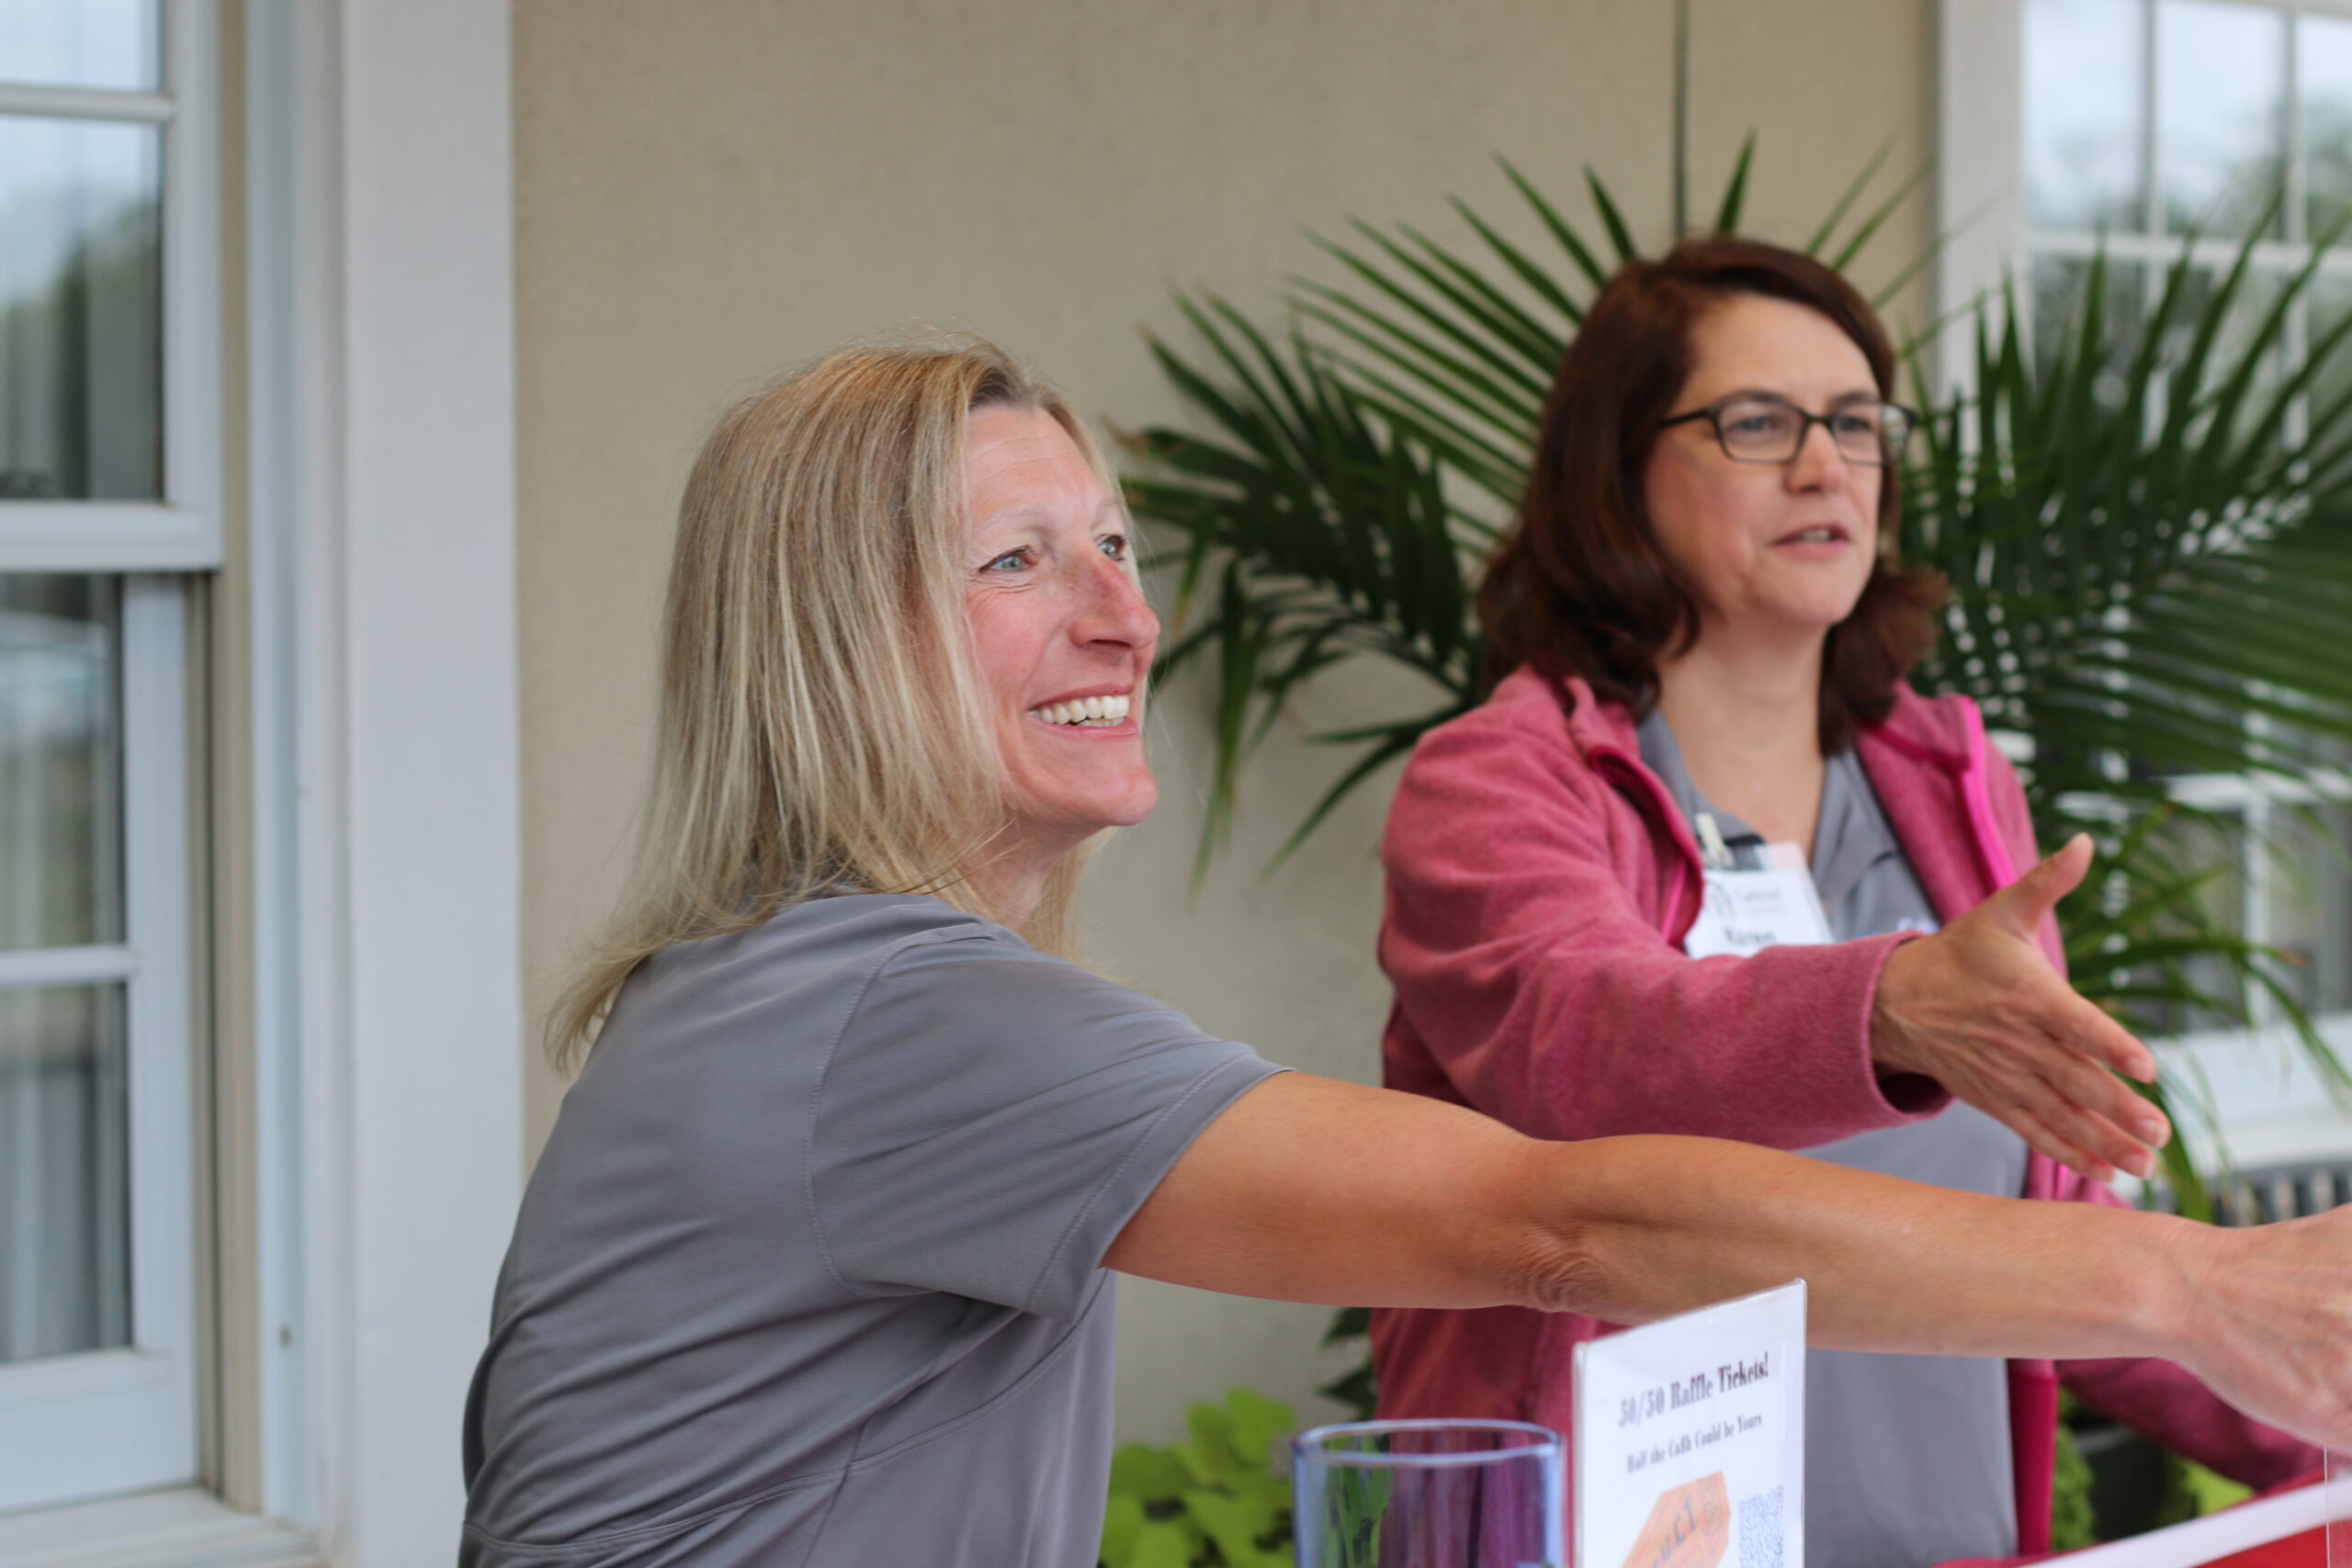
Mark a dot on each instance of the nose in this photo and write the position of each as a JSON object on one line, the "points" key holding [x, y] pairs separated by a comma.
{"points": [[1115, 613], [1818, 464]]}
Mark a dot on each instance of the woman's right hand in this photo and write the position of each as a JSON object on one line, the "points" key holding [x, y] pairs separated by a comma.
{"points": [[1978, 1008], [2272, 1328]]}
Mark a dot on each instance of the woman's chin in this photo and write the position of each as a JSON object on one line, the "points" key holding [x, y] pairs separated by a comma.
{"points": [[1075, 820]]}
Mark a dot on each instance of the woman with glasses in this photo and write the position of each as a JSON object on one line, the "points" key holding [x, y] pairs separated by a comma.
{"points": [[1705, 865]]}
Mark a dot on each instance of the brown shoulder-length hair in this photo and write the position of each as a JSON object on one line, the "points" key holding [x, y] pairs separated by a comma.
{"points": [[1578, 584]]}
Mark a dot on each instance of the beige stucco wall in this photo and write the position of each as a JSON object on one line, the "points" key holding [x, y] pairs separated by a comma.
{"points": [[706, 193]]}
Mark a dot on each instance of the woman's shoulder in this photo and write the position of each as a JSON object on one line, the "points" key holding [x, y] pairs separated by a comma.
{"points": [[891, 947], [1535, 711], [1535, 733], [1947, 724], [805, 954]]}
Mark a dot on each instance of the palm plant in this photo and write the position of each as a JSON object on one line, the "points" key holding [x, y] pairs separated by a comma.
{"points": [[2146, 521]]}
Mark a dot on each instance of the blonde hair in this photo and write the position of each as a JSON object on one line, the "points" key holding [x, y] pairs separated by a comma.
{"points": [[822, 726]]}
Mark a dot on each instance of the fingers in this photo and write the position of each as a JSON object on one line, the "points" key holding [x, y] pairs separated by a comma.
{"points": [[2091, 1132], [2040, 1135], [2088, 1043], [2102, 1039]]}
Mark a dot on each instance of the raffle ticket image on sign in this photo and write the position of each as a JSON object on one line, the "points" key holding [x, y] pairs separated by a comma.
{"points": [[1689, 1439]]}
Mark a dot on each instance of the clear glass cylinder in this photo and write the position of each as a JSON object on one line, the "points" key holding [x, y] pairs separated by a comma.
{"points": [[1430, 1494]]}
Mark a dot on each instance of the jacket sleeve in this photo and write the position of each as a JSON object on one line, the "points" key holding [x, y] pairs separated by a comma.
{"points": [[1523, 961], [2164, 1401]]}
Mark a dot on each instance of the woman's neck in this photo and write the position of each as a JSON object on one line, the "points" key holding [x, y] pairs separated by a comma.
{"points": [[1746, 715], [1012, 881]]}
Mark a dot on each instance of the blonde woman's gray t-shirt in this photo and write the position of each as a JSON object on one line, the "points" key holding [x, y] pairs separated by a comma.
{"points": [[810, 1272]]}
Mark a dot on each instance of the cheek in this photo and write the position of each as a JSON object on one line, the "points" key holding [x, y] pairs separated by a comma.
{"points": [[1866, 487], [1699, 517], [1003, 643]]}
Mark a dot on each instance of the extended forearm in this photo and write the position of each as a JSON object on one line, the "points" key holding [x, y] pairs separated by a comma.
{"points": [[1662, 1225]]}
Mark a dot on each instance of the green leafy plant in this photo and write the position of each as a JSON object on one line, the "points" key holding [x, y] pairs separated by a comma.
{"points": [[2147, 524], [1212, 1500], [2146, 521]]}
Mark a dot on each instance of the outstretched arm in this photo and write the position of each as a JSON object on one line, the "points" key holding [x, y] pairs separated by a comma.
{"points": [[1316, 1190]]}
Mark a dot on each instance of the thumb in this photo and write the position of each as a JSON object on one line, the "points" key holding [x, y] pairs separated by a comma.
{"points": [[2024, 903]]}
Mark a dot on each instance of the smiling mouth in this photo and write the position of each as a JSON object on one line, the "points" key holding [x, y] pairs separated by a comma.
{"points": [[1821, 533], [1085, 713]]}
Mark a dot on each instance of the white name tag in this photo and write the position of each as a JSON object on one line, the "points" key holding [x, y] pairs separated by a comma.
{"points": [[1748, 911]]}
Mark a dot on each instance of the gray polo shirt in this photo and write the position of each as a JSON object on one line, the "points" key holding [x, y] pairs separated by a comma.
{"points": [[809, 1271], [1907, 1458]]}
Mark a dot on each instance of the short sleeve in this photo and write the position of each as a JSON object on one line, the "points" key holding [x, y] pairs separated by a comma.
{"points": [[992, 1117]]}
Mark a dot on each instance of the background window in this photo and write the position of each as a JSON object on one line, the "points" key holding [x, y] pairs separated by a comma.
{"points": [[2148, 125], [109, 390]]}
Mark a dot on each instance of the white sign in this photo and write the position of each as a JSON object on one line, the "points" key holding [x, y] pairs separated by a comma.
{"points": [[1689, 1439]]}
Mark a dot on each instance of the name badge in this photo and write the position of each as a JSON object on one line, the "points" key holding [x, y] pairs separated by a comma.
{"points": [[1768, 902]]}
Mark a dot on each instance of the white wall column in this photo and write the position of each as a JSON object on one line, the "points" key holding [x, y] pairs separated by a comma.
{"points": [[412, 1016]]}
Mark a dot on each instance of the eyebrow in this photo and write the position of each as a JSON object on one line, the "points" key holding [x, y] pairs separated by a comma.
{"points": [[1026, 510], [1864, 395]]}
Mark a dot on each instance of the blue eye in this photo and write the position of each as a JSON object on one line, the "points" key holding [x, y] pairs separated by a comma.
{"points": [[1113, 545], [1018, 558]]}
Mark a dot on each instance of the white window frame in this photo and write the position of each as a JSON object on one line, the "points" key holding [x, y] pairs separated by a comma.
{"points": [[2272, 1107], [116, 1420], [384, 810]]}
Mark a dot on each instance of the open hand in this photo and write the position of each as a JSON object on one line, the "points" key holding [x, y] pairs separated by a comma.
{"points": [[1978, 1008]]}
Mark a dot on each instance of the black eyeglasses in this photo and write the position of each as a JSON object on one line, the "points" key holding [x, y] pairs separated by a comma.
{"points": [[1753, 429]]}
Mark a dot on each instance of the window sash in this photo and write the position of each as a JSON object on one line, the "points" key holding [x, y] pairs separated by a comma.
{"points": [[184, 532], [127, 1419], [123, 1419]]}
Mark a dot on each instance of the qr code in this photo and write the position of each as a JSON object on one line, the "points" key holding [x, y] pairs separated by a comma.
{"points": [[1759, 1530]]}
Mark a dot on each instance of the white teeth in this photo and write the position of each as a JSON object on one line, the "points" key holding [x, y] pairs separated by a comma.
{"points": [[1098, 713]]}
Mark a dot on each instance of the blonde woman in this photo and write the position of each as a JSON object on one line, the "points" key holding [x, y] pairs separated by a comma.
{"points": [[814, 1267]]}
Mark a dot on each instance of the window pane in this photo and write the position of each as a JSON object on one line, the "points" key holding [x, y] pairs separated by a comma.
{"points": [[2331, 301], [2082, 114], [61, 876], [2186, 843], [2310, 898], [81, 308], [64, 1172], [2221, 113], [2258, 295], [79, 43], [2323, 58], [2060, 298]]}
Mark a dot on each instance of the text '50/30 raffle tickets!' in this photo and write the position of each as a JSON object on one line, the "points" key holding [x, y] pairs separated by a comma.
{"points": [[1689, 1439]]}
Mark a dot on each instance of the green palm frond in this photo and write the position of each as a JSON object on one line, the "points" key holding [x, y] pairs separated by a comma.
{"points": [[1350, 479], [1328, 535], [2149, 531], [2146, 521]]}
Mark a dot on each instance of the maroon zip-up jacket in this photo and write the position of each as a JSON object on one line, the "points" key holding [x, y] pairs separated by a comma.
{"points": [[1539, 882]]}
